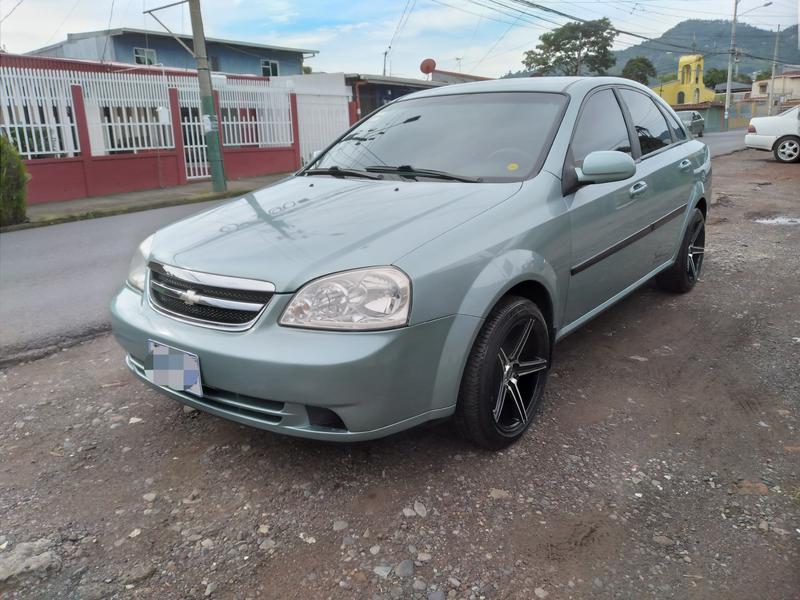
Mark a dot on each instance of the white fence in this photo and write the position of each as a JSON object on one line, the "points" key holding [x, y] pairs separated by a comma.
{"points": [[126, 112], [321, 119], [256, 115], [130, 112], [37, 112], [194, 147], [322, 108]]}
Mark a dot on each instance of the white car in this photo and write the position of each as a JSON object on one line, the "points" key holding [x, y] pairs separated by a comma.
{"points": [[779, 134]]}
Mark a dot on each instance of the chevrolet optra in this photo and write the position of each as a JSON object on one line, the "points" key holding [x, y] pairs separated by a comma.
{"points": [[425, 264]]}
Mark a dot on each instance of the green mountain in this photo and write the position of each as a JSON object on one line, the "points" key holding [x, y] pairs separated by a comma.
{"points": [[712, 39]]}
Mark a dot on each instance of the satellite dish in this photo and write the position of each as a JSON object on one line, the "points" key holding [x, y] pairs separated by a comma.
{"points": [[427, 66]]}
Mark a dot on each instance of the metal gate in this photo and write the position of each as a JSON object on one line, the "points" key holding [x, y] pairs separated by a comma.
{"points": [[195, 153]]}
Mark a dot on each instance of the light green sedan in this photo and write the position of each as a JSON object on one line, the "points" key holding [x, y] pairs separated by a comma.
{"points": [[424, 265]]}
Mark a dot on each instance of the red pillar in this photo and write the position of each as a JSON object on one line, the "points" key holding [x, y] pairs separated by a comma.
{"points": [[177, 134], [295, 131], [83, 137], [352, 110]]}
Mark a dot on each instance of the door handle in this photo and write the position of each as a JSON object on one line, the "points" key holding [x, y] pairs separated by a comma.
{"points": [[638, 188], [684, 164]]}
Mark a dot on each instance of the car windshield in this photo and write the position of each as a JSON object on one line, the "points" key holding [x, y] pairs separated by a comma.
{"points": [[490, 136]]}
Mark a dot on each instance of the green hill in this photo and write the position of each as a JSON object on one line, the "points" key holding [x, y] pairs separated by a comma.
{"points": [[712, 39]]}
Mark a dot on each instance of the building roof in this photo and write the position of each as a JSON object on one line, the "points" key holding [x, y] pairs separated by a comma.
{"points": [[736, 86], [164, 34], [465, 76], [388, 80]]}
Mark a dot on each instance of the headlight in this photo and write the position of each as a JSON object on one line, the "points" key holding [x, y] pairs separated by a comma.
{"points": [[138, 268], [360, 300]]}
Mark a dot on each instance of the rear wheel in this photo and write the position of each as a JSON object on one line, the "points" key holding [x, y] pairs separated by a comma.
{"points": [[505, 375], [787, 149], [681, 276]]}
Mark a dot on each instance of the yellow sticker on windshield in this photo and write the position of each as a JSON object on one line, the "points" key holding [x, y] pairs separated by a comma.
{"points": [[512, 166]]}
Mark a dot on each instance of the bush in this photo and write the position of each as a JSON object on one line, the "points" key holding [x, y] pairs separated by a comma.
{"points": [[13, 184]]}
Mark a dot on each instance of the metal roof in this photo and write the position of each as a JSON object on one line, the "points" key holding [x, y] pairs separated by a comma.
{"points": [[388, 80], [149, 32]]}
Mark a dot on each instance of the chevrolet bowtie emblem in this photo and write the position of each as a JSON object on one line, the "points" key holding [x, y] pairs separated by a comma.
{"points": [[190, 297]]}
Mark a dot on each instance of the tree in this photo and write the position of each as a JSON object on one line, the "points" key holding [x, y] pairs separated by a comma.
{"points": [[574, 48], [306, 70], [762, 75], [639, 69], [13, 184], [743, 78], [667, 77], [713, 77]]}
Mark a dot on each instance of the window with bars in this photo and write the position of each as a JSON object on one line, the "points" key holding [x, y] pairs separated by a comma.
{"points": [[270, 68], [144, 56]]}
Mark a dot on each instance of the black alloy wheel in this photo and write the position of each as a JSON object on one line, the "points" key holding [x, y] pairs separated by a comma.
{"points": [[684, 273], [505, 376]]}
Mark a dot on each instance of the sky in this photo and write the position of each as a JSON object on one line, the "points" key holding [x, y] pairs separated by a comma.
{"points": [[482, 37]]}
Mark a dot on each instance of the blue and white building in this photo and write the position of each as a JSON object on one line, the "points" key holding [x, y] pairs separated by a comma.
{"points": [[144, 47]]}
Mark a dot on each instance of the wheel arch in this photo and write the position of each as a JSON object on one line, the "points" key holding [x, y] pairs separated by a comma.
{"points": [[703, 206], [779, 139]]}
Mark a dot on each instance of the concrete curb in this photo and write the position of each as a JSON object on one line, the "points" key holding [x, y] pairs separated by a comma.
{"points": [[116, 210]]}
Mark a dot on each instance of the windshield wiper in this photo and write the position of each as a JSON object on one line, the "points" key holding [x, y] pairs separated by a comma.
{"points": [[339, 172], [408, 170]]}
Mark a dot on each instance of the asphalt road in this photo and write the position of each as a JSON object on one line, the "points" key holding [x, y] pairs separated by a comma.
{"points": [[725, 142], [56, 282]]}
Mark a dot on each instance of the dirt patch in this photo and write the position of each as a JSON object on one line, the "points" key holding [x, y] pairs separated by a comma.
{"points": [[631, 484]]}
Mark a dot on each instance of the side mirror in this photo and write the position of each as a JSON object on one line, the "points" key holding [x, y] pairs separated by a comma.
{"points": [[604, 166]]}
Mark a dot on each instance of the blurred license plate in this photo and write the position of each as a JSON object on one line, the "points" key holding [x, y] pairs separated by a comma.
{"points": [[173, 368]]}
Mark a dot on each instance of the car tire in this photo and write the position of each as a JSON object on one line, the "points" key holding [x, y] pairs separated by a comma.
{"points": [[700, 133], [787, 149], [505, 375], [685, 271]]}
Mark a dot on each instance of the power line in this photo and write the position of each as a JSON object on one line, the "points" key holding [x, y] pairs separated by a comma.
{"points": [[8, 14], [500, 39], [64, 20], [108, 32]]}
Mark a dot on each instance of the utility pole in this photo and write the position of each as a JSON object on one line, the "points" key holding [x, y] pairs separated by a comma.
{"points": [[730, 63], [772, 78], [385, 54], [210, 122], [732, 53]]}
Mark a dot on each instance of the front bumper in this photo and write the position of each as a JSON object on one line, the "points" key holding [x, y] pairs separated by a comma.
{"points": [[759, 142], [377, 383]]}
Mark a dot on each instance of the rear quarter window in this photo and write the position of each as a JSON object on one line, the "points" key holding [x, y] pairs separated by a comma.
{"points": [[648, 121]]}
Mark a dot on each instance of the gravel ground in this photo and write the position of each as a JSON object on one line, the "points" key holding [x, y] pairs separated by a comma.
{"points": [[665, 463]]}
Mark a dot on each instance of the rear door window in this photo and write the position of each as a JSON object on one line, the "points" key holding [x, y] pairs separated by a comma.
{"points": [[649, 123], [600, 127]]}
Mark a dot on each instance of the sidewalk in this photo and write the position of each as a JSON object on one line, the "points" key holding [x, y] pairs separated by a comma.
{"points": [[51, 213]]}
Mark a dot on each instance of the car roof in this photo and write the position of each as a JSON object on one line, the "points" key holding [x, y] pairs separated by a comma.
{"points": [[574, 86]]}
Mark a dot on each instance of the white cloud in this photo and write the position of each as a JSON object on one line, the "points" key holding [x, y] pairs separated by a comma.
{"points": [[352, 35]]}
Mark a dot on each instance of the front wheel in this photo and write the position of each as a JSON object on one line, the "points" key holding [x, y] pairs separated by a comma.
{"points": [[505, 375], [787, 149], [684, 273]]}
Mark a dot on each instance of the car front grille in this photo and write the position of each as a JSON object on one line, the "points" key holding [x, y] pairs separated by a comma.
{"points": [[205, 299]]}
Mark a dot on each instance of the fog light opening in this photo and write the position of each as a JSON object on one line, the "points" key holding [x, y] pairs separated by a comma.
{"points": [[324, 417]]}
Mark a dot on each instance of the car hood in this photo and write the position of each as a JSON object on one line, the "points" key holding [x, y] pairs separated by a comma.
{"points": [[306, 227]]}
